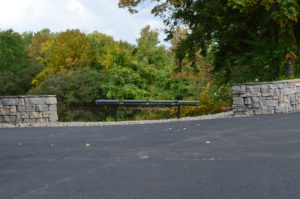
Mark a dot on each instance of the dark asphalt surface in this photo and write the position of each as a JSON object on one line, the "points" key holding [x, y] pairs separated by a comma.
{"points": [[250, 157]]}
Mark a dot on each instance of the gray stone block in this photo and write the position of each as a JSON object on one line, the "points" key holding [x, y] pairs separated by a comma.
{"points": [[30, 107], [41, 108], [292, 98], [271, 103], [275, 92], [271, 110], [280, 98], [264, 89], [250, 89], [255, 99], [235, 88], [266, 94], [271, 87], [24, 115], [280, 109], [9, 119], [291, 85], [297, 107], [21, 101], [265, 112], [279, 85], [248, 100], [238, 100], [42, 120], [35, 115], [13, 110], [293, 102], [53, 117], [243, 88], [52, 107], [19, 119], [248, 106], [293, 90], [47, 114], [285, 92], [51, 100], [9, 101], [257, 89], [29, 121], [34, 101], [256, 105], [240, 109], [4, 111], [21, 108]]}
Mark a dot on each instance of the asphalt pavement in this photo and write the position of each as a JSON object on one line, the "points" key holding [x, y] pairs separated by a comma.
{"points": [[234, 158]]}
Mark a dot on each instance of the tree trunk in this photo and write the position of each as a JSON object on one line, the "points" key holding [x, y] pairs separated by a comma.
{"points": [[289, 67]]}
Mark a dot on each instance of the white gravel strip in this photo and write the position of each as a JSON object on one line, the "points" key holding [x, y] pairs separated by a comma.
{"points": [[74, 124]]}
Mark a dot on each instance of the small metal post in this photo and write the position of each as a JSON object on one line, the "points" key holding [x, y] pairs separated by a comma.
{"points": [[116, 113], [178, 113]]}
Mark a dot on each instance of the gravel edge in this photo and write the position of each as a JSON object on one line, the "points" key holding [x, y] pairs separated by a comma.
{"points": [[78, 124]]}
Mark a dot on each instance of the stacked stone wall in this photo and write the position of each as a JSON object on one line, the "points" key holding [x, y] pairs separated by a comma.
{"points": [[266, 97], [28, 109]]}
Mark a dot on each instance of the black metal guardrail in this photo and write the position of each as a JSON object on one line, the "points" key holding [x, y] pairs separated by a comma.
{"points": [[136, 103]]}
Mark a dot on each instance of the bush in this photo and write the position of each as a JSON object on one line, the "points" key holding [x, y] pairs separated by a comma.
{"points": [[212, 100], [77, 86]]}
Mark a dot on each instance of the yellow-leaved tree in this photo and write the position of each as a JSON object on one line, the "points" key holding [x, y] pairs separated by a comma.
{"points": [[65, 51], [105, 48]]}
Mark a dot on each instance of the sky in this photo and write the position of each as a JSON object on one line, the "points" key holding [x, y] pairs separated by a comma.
{"points": [[87, 15]]}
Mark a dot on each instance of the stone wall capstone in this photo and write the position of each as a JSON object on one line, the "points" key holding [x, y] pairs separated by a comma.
{"points": [[266, 97], [28, 109]]}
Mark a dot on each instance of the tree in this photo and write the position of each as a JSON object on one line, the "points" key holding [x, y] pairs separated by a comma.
{"points": [[36, 43], [12, 51], [285, 15], [15, 75], [140, 72], [250, 40], [65, 51], [105, 50], [153, 64], [74, 86]]}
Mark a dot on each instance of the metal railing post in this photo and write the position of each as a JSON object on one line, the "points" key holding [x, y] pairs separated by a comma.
{"points": [[116, 113]]}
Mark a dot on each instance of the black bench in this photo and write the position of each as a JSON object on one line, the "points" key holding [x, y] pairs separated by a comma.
{"points": [[147, 103]]}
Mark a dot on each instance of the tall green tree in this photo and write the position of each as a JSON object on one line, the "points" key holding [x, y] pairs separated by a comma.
{"points": [[285, 15], [145, 74], [251, 40], [15, 78], [12, 51]]}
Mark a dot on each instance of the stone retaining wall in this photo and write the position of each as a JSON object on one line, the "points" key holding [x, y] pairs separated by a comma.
{"points": [[28, 109], [266, 97]]}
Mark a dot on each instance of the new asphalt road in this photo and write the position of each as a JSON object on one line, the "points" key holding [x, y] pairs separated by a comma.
{"points": [[237, 158]]}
